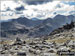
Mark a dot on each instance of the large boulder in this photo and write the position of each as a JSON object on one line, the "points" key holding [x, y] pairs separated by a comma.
{"points": [[21, 54]]}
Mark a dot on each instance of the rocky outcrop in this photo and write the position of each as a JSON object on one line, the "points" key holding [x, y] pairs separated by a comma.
{"points": [[66, 27]]}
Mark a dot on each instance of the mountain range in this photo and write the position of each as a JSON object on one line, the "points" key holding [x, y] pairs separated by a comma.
{"points": [[33, 28]]}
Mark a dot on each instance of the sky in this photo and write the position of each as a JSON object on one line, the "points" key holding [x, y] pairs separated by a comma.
{"points": [[41, 9]]}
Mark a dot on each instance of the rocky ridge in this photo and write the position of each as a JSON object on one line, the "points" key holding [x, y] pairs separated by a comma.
{"points": [[24, 27], [60, 42]]}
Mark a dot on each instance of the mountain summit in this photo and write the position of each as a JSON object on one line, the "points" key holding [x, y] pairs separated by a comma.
{"points": [[32, 28]]}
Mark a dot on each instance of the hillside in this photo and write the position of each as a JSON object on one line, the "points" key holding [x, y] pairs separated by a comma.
{"points": [[31, 28], [60, 42]]}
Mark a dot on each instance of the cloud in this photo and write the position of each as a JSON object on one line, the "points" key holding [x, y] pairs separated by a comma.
{"points": [[6, 4], [10, 9], [8, 15], [40, 11], [35, 2], [48, 9]]}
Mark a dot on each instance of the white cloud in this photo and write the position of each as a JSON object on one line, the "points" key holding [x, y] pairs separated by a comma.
{"points": [[40, 11], [47, 10], [11, 4]]}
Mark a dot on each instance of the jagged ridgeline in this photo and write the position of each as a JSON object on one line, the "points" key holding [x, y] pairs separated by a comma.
{"points": [[23, 27]]}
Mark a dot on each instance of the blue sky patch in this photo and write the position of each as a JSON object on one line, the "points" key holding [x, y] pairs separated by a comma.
{"points": [[70, 3]]}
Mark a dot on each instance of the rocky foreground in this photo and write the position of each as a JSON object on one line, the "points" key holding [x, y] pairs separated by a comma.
{"points": [[61, 42]]}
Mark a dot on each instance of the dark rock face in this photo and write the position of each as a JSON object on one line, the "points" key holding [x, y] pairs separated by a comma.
{"points": [[18, 41], [64, 28], [20, 8], [3, 34], [34, 28], [21, 54]]}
